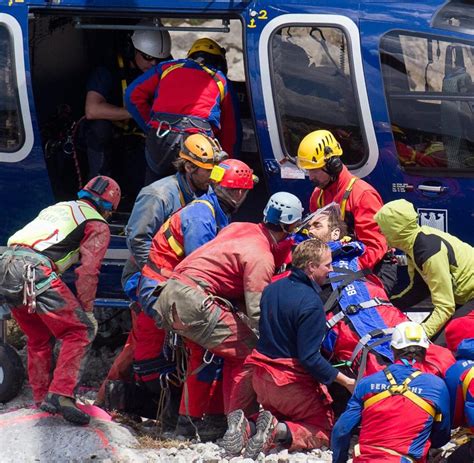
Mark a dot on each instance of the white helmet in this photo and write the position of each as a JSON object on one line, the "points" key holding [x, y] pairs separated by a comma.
{"points": [[154, 43], [283, 208], [408, 334]]}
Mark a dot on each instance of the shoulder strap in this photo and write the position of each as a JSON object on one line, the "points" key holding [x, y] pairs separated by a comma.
{"points": [[346, 195], [208, 204], [218, 82], [171, 69], [175, 245], [402, 389], [467, 381], [320, 199]]}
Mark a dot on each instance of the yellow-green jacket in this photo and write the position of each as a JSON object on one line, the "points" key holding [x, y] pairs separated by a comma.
{"points": [[442, 261]]}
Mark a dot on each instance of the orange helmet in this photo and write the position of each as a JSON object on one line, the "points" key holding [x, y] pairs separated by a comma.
{"points": [[202, 151], [102, 190]]}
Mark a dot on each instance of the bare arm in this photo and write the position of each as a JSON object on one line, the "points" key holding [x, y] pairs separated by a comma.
{"points": [[98, 108]]}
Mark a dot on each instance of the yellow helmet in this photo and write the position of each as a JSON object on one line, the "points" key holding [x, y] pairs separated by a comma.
{"points": [[202, 151], [207, 45], [316, 148]]}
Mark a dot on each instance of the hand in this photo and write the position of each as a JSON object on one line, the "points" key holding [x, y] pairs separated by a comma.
{"points": [[348, 383]]}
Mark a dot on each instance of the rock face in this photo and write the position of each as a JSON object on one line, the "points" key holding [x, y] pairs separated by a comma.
{"points": [[29, 434]]}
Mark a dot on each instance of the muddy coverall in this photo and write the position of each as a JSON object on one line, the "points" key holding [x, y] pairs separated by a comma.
{"points": [[186, 230], [154, 205], [236, 265], [439, 264], [42, 304]]}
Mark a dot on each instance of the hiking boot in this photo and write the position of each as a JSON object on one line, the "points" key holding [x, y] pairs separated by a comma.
{"points": [[186, 426], [263, 440], [212, 427], [65, 406], [237, 434]]}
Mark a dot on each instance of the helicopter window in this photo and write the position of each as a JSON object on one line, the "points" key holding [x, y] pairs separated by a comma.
{"points": [[430, 93], [313, 88], [11, 126]]}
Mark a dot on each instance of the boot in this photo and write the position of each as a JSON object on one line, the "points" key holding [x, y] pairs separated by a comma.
{"points": [[65, 406], [237, 434]]}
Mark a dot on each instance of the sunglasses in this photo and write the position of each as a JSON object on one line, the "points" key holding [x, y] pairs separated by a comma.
{"points": [[147, 57]]}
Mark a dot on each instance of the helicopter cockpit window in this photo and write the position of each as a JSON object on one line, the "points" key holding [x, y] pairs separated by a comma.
{"points": [[430, 93], [11, 126], [313, 88]]}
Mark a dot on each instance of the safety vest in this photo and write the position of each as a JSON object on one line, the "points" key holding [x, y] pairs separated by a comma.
{"points": [[467, 381], [402, 389], [176, 243], [56, 232], [345, 197]]}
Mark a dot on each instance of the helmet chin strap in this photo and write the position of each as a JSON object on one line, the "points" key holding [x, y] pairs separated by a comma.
{"points": [[194, 187], [332, 179]]}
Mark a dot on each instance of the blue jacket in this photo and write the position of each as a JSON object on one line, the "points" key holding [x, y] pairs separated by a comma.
{"points": [[395, 422], [153, 206], [293, 323], [199, 224], [462, 411]]}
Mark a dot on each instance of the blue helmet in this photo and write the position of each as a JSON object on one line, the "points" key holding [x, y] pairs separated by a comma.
{"points": [[283, 209]]}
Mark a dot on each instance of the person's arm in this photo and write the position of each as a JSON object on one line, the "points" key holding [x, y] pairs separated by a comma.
{"points": [[92, 250], [415, 292], [441, 430], [198, 226], [258, 272], [367, 230], [310, 334], [437, 276], [98, 108], [341, 434], [148, 215], [140, 95]]}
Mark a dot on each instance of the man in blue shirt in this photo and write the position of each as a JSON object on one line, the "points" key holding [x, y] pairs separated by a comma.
{"points": [[289, 373]]}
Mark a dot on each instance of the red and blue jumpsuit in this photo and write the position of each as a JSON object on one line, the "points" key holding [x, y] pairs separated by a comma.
{"points": [[394, 428], [185, 231], [460, 382], [184, 88]]}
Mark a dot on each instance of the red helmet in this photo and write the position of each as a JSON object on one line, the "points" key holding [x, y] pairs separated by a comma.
{"points": [[102, 190], [233, 173]]}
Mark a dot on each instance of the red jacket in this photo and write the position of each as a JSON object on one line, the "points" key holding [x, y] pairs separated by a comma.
{"points": [[361, 206], [237, 264], [183, 87]]}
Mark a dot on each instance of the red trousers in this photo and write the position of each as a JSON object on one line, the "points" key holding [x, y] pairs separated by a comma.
{"points": [[58, 316], [121, 369], [305, 407], [204, 396], [236, 380]]}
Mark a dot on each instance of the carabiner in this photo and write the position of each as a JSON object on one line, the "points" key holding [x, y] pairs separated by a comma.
{"points": [[163, 134]]}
